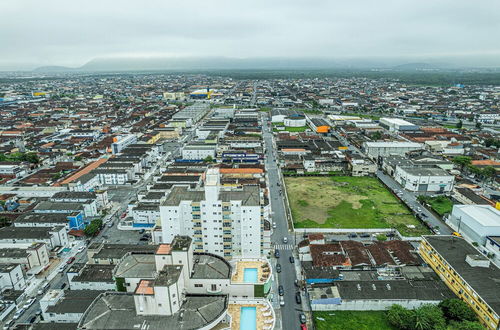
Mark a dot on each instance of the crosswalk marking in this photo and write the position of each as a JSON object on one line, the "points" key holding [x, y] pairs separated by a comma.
{"points": [[283, 246]]}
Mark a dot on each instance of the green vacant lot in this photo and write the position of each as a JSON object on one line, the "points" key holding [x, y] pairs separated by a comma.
{"points": [[441, 204], [347, 320], [348, 202]]}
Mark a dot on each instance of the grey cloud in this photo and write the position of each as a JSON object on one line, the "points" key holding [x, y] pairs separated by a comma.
{"points": [[57, 32]]}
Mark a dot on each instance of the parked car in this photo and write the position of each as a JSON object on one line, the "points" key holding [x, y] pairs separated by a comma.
{"points": [[298, 299], [303, 327], [292, 260], [352, 235], [276, 253], [278, 268], [70, 260], [110, 224], [423, 215], [296, 283], [282, 301], [63, 285], [7, 325], [61, 269], [33, 319], [80, 249], [144, 238], [302, 318], [364, 235], [285, 239]]}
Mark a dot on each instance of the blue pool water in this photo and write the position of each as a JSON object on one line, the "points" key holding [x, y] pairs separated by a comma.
{"points": [[248, 318], [250, 275]]}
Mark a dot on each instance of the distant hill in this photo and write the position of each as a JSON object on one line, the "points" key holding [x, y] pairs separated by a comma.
{"points": [[54, 68]]}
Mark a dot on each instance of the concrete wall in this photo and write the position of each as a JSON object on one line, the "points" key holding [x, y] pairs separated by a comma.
{"points": [[370, 305]]}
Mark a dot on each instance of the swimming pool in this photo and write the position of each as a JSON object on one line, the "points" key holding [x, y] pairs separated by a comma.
{"points": [[250, 275], [248, 318]]}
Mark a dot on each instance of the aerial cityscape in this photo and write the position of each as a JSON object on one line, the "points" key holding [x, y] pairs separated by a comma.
{"points": [[147, 183]]}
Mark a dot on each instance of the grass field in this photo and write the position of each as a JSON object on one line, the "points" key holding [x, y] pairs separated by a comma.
{"points": [[347, 320], [440, 204], [348, 202]]}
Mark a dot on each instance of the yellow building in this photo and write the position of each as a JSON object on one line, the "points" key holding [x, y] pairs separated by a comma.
{"points": [[468, 273]]}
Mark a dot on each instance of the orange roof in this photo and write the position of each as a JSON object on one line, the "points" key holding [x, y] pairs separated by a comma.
{"points": [[83, 171], [293, 149], [145, 287], [241, 170], [164, 249], [485, 162]]}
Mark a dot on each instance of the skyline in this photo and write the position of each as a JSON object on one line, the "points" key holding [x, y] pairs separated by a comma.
{"points": [[459, 33]]}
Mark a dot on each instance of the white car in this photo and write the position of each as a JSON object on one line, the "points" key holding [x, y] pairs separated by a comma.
{"points": [[282, 301], [29, 303], [18, 314], [80, 249]]}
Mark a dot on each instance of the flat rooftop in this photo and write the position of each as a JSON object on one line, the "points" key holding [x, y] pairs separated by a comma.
{"points": [[485, 281], [249, 195], [485, 215], [74, 301]]}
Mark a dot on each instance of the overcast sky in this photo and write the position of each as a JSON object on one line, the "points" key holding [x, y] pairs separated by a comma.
{"points": [[70, 33]]}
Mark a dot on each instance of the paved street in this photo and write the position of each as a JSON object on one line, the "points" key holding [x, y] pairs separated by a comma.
{"points": [[410, 199], [287, 276]]}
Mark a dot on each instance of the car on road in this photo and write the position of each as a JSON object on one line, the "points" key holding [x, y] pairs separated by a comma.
{"points": [[274, 225], [281, 291], [63, 285], [18, 314], [7, 325], [437, 232], [303, 327], [390, 235], [282, 301], [141, 231], [80, 249], [285, 240], [276, 253], [296, 282], [61, 269], [298, 299], [292, 260], [29, 303], [110, 224], [456, 234], [302, 318], [144, 238], [123, 215], [364, 235], [70, 260], [33, 319], [278, 268], [423, 215], [352, 235]]}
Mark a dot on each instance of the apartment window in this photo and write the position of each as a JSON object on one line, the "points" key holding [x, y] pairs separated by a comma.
{"points": [[198, 285], [214, 287]]}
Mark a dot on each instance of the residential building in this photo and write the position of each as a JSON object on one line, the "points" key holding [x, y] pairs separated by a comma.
{"points": [[468, 273], [424, 179]]}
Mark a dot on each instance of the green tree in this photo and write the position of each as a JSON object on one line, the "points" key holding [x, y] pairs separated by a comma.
{"points": [[462, 161], [489, 142], [459, 124], [488, 172], [479, 125], [208, 159], [376, 135], [428, 317], [457, 310], [93, 227], [400, 317]]}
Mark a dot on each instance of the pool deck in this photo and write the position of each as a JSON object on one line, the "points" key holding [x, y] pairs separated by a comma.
{"points": [[238, 275], [235, 309]]}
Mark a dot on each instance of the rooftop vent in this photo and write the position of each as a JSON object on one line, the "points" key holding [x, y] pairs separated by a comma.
{"points": [[477, 260]]}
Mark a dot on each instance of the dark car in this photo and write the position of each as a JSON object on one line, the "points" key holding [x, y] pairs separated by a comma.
{"points": [[277, 253], [63, 285], [390, 235], [296, 283], [298, 299], [292, 260], [281, 291], [278, 268], [141, 231], [423, 215], [33, 319], [352, 235], [364, 235], [302, 318], [70, 260], [144, 239]]}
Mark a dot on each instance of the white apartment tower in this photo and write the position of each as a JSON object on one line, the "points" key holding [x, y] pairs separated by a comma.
{"points": [[225, 221]]}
